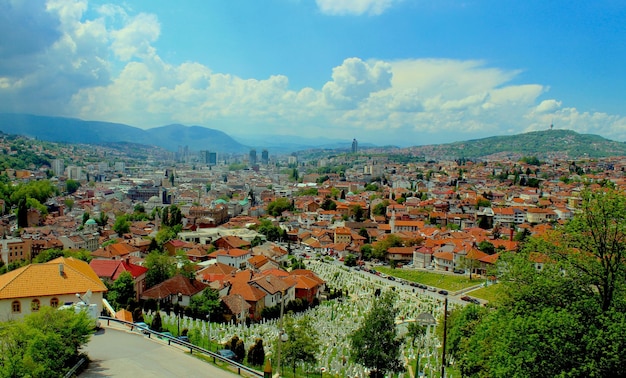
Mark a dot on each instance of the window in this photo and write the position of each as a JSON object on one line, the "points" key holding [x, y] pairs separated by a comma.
{"points": [[16, 306], [54, 302], [34, 305]]}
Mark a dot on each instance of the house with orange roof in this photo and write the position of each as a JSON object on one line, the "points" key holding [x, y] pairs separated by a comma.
{"points": [[215, 272], [169, 290], [253, 295], [233, 257], [400, 254], [24, 290], [308, 285], [231, 241], [116, 251], [276, 289]]}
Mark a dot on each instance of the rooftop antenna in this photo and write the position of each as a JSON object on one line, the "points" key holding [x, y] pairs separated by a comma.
{"points": [[552, 124]]}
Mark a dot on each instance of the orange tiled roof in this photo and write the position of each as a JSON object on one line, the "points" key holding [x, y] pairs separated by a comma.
{"points": [[39, 280]]}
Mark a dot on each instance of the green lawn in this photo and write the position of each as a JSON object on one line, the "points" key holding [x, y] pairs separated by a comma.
{"points": [[444, 281], [489, 293]]}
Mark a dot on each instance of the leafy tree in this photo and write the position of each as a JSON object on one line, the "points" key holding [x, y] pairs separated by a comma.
{"points": [[71, 186], [375, 344], [366, 251], [208, 303], [357, 212], [102, 220], [160, 268], [157, 322], [166, 234], [22, 214], [302, 344], [596, 241], [381, 247], [276, 207], [363, 233], [329, 204], [487, 247], [565, 319], [381, 208], [256, 353], [271, 232], [44, 344], [69, 203], [237, 346], [350, 260], [121, 225], [122, 290]]}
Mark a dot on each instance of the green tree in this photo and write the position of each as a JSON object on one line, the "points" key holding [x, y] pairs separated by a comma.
{"points": [[44, 344], [596, 241], [375, 344], [276, 207], [302, 344], [22, 214], [381, 247], [487, 247], [350, 260], [381, 208], [366, 251], [122, 291], [208, 303], [121, 225], [69, 203], [329, 204], [160, 268], [256, 353], [71, 186], [357, 213]]}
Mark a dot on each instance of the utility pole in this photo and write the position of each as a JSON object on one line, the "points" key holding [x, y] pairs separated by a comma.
{"points": [[445, 332]]}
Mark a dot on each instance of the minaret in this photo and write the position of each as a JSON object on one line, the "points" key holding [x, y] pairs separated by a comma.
{"points": [[392, 222]]}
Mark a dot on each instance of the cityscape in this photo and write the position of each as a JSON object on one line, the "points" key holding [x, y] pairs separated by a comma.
{"points": [[332, 188]]}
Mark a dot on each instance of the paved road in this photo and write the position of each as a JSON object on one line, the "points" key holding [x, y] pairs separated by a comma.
{"points": [[119, 353]]}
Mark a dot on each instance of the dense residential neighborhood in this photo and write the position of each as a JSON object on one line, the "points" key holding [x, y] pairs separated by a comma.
{"points": [[234, 240]]}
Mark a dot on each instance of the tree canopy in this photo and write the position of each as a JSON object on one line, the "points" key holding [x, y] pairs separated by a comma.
{"points": [[46, 343], [375, 344], [562, 309]]}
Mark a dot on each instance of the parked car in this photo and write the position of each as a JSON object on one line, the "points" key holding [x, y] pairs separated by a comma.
{"points": [[443, 292], [466, 298], [166, 335], [142, 327], [459, 271], [183, 338], [227, 353], [430, 288], [475, 301]]}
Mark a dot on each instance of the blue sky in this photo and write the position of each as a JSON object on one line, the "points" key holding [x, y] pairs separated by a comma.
{"points": [[397, 72]]}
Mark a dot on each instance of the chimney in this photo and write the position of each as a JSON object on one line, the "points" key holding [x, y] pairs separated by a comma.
{"points": [[61, 271]]}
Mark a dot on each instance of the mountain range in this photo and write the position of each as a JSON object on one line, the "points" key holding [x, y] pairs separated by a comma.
{"points": [[548, 143]]}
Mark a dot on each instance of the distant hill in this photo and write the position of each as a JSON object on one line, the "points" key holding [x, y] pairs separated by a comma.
{"points": [[543, 144], [71, 130]]}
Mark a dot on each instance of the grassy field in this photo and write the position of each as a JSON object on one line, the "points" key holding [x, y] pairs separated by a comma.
{"points": [[439, 280], [489, 293]]}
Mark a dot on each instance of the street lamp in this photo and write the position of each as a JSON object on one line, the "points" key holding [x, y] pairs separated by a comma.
{"points": [[180, 310]]}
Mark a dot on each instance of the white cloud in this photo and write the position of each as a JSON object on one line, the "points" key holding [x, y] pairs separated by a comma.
{"points": [[412, 101], [354, 81], [354, 7], [135, 38]]}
